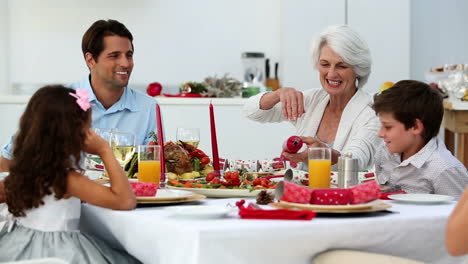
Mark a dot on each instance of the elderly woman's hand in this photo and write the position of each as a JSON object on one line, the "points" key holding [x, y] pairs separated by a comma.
{"points": [[292, 102], [297, 157], [315, 142]]}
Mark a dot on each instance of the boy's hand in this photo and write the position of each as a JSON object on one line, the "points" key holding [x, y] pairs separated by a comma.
{"points": [[94, 144]]}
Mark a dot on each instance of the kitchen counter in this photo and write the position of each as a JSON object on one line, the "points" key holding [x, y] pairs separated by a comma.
{"points": [[263, 140], [23, 99]]}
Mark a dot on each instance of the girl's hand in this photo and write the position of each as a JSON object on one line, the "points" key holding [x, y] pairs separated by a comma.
{"points": [[292, 102], [94, 144]]}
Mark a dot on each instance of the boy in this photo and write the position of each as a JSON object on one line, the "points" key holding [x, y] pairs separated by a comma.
{"points": [[413, 157]]}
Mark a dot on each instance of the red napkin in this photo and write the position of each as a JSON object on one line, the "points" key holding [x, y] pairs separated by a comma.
{"points": [[384, 196], [253, 211]]}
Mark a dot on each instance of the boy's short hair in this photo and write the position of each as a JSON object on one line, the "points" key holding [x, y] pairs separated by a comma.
{"points": [[409, 100]]}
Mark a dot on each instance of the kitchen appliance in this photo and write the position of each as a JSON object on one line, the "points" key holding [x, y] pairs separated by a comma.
{"points": [[254, 72]]}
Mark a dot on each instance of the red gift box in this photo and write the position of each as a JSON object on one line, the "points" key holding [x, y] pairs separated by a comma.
{"points": [[290, 192], [365, 192], [331, 196]]}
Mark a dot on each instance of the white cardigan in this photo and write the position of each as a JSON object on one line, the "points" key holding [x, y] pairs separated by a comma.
{"points": [[357, 131]]}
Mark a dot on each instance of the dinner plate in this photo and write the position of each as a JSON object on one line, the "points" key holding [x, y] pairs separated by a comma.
{"points": [[341, 209], [165, 196], [421, 198], [199, 211], [222, 193]]}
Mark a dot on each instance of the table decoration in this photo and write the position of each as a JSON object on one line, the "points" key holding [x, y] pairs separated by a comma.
{"points": [[144, 188], [365, 192], [214, 142], [290, 192], [161, 143]]}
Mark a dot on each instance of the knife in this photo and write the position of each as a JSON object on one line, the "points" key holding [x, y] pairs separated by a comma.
{"points": [[276, 71], [267, 68]]}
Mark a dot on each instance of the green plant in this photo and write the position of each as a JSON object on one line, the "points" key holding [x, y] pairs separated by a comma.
{"points": [[192, 87]]}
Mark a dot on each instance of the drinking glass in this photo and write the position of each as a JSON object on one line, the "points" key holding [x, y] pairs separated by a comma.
{"points": [[319, 167], [149, 166], [123, 146], [104, 132], [189, 135], [94, 163]]}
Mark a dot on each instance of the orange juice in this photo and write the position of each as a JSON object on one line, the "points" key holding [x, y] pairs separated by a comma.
{"points": [[149, 171], [319, 173]]}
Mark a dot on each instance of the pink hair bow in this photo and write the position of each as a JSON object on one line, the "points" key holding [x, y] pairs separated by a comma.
{"points": [[82, 98]]}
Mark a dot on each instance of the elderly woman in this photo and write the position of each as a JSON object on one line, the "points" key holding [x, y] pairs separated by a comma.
{"points": [[338, 115]]}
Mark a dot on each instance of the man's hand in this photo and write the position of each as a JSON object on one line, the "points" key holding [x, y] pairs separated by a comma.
{"points": [[2, 192]]}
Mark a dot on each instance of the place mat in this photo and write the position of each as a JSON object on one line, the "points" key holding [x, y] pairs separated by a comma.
{"points": [[352, 208]]}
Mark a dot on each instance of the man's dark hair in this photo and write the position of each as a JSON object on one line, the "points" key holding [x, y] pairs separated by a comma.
{"points": [[409, 100], [93, 39]]}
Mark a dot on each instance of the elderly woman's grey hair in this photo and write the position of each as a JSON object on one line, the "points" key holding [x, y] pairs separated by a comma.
{"points": [[349, 45]]}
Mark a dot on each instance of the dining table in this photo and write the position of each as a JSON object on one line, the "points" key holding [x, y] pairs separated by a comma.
{"points": [[154, 234]]}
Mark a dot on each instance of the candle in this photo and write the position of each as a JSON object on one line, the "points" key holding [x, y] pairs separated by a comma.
{"points": [[160, 142], [214, 142]]}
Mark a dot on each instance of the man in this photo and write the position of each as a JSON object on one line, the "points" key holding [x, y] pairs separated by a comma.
{"points": [[108, 51]]}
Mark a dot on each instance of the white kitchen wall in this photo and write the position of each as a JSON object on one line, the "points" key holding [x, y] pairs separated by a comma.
{"points": [[301, 21], [175, 41], [386, 27], [438, 34], [4, 54]]}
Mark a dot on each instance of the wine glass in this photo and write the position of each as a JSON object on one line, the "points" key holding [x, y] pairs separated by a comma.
{"points": [[123, 146], [189, 135]]}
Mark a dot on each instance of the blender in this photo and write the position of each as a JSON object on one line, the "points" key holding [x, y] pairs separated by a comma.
{"points": [[254, 73]]}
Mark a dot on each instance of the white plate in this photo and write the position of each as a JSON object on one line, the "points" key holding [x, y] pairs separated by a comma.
{"points": [[222, 193], [421, 198], [199, 211]]}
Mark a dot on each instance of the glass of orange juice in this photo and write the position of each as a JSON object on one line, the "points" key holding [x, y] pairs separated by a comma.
{"points": [[319, 167], [149, 166]]}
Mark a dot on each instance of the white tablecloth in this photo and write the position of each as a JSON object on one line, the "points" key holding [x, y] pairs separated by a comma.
{"points": [[153, 236]]}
